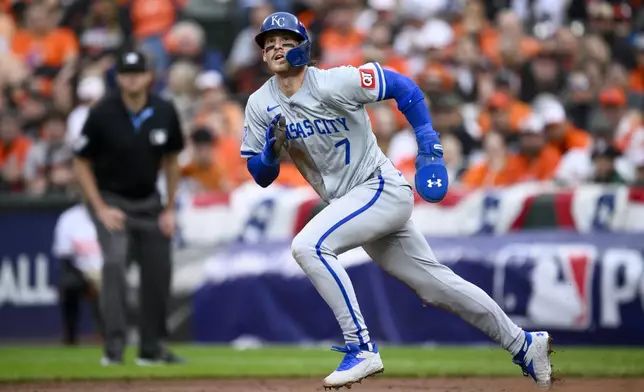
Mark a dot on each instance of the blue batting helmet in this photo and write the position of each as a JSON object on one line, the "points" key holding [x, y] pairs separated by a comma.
{"points": [[283, 21]]}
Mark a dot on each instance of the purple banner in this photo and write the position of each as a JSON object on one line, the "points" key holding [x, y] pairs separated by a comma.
{"points": [[585, 289], [29, 277]]}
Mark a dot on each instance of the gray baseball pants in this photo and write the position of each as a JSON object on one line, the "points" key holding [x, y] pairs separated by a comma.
{"points": [[376, 216]]}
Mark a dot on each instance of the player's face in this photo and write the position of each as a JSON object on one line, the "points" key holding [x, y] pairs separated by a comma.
{"points": [[275, 47]]}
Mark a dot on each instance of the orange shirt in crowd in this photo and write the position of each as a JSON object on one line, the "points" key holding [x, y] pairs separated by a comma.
{"points": [[573, 138], [516, 110], [341, 48], [517, 169], [488, 41], [228, 119], [209, 177], [482, 175], [50, 50], [541, 168], [438, 75], [232, 165], [153, 17], [636, 80], [18, 148]]}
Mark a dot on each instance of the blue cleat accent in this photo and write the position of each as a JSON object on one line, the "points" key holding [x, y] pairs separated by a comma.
{"points": [[534, 358], [351, 351], [519, 359], [359, 362]]}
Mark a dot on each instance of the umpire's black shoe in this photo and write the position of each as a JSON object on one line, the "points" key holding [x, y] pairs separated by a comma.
{"points": [[167, 358]]}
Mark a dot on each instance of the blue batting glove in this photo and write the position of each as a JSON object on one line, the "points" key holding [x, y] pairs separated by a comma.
{"points": [[268, 156], [431, 178]]}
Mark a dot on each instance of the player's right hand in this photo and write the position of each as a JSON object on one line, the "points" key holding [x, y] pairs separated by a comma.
{"points": [[112, 218], [275, 135], [431, 179]]}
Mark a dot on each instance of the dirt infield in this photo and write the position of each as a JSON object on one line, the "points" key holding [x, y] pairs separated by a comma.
{"points": [[301, 385]]}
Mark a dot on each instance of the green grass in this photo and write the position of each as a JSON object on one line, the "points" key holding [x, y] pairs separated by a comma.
{"points": [[55, 363]]}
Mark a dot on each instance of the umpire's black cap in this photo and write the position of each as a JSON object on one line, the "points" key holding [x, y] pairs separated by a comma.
{"points": [[131, 61]]}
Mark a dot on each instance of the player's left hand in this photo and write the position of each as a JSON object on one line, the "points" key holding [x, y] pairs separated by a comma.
{"points": [[431, 180], [167, 222]]}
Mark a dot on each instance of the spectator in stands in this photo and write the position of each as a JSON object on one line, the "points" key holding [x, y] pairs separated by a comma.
{"points": [[537, 160], [495, 170], [503, 114], [447, 117], [467, 62], [542, 74], [433, 46], [244, 53], [76, 247], [576, 165], [613, 105], [150, 24], [102, 34], [90, 90], [48, 166], [579, 98], [567, 48], [604, 165], [636, 79], [340, 41], [186, 41], [485, 67], [43, 47], [182, 91], [381, 12], [202, 174], [223, 116], [454, 160], [14, 148], [377, 47], [383, 122], [560, 133]]}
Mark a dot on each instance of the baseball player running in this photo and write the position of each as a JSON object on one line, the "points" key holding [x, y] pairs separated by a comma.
{"points": [[318, 117]]}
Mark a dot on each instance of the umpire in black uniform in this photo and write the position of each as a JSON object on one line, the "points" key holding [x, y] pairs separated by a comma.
{"points": [[126, 140]]}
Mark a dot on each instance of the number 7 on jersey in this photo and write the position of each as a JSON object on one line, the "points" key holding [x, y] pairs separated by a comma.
{"points": [[347, 155]]}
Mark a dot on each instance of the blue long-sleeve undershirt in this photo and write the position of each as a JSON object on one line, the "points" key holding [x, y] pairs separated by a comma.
{"points": [[411, 102], [264, 173]]}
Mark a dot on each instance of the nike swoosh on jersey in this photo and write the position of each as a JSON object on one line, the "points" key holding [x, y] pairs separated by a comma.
{"points": [[270, 109]]}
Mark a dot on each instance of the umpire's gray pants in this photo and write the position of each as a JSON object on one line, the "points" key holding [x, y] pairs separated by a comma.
{"points": [[142, 241]]}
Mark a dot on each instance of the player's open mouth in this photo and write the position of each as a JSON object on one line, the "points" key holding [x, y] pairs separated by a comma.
{"points": [[279, 57]]}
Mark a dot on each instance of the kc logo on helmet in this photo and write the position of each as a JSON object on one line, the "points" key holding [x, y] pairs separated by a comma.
{"points": [[277, 20], [367, 78], [546, 285]]}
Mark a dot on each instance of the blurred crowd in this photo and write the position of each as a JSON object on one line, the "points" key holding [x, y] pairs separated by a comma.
{"points": [[520, 90]]}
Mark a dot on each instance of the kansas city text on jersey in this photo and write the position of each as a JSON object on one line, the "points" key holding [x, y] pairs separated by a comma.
{"points": [[320, 126]]}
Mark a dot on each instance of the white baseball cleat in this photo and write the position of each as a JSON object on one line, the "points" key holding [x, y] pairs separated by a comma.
{"points": [[360, 362], [534, 358]]}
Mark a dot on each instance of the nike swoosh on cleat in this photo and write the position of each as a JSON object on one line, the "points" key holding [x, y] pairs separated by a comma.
{"points": [[270, 109]]}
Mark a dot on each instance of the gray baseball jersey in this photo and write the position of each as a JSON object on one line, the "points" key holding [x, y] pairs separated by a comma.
{"points": [[329, 138], [328, 132]]}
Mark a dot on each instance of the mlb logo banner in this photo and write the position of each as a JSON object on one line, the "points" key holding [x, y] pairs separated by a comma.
{"points": [[542, 286]]}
